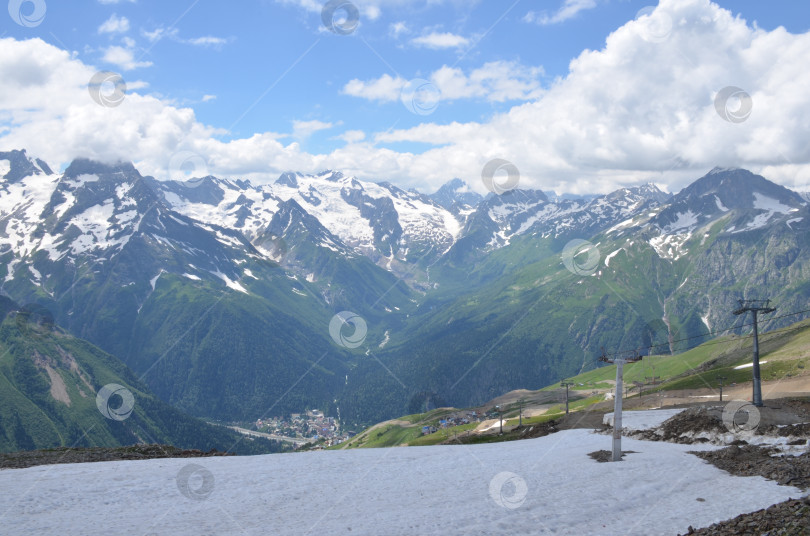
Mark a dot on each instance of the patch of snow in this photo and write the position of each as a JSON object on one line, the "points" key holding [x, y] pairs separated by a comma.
{"points": [[720, 204], [191, 276], [85, 178], [5, 167], [670, 246], [748, 365], [794, 220], [611, 255], [763, 202], [684, 220], [642, 420], [153, 281], [233, 285], [385, 340], [520, 487], [705, 319]]}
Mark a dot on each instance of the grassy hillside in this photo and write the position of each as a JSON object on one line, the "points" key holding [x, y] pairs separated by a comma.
{"points": [[49, 387], [784, 353]]}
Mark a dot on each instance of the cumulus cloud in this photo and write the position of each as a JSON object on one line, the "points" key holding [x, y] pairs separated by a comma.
{"points": [[114, 24], [124, 58], [352, 136], [568, 10], [496, 81], [642, 108], [439, 40], [304, 129]]}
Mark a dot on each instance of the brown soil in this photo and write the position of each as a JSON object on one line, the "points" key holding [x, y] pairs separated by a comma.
{"points": [[690, 421], [30, 458], [603, 456]]}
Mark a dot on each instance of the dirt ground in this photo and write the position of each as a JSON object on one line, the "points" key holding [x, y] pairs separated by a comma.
{"points": [[30, 458]]}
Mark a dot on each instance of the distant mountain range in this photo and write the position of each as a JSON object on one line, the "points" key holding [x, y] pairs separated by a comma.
{"points": [[219, 293]]}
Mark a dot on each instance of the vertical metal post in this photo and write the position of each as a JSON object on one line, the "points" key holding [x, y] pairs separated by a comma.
{"points": [[520, 422], [566, 399], [756, 306], [566, 385], [757, 378], [617, 413]]}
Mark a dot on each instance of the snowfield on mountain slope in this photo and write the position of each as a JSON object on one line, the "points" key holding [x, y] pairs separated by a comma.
{"points": [[547, 485]]}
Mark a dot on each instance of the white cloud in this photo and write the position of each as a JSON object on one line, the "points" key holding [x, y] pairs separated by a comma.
{"points": [[436, 40], [207, 41], [396, 29], [304, 129], [636, 110], [124, 58], [384, 88], [497, 81], [114, 24], [568, 10], [161, 33], [209, 98], [352, 136]]}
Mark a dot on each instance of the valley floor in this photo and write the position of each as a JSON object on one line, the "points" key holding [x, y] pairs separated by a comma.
{"points": [[547, 485]]}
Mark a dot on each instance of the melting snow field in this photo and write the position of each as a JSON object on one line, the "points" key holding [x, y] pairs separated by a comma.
{"points": [[547, 485]]}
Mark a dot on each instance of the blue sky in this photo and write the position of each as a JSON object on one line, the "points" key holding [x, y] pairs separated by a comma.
{"points": [[271, 67]]}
